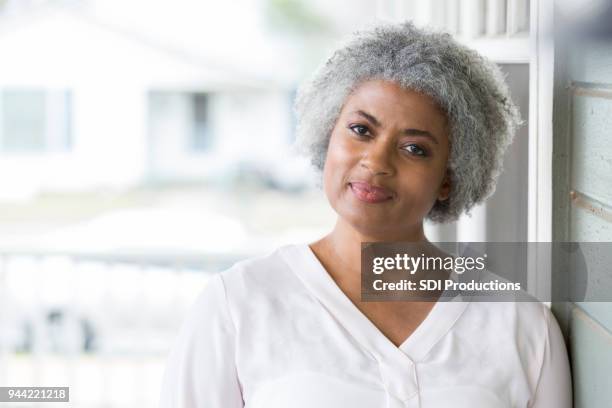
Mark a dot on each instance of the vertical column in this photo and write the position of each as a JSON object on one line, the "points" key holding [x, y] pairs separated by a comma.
{"points": [[438, 14], [448, 232], [441, 232], [495, 17], [432, 231], [142, 301], [452, 16], [518, 16], [422, 14], [3, 308], [473, 228], [540, 189], [74, 352], [104, 360], [401, 10], [472, 18], [385, 10], [40, 345]]}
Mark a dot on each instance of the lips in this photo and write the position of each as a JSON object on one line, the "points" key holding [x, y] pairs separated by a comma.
{"points": [[370, 193]]}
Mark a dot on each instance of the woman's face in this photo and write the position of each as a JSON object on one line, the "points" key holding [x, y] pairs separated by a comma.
{"points": [[392, 138]]}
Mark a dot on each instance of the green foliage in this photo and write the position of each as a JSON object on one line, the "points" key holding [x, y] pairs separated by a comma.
{"points": [[295, 16]]}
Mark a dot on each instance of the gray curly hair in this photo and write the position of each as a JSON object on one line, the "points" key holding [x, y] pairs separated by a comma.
{"points": [[470, 89]]}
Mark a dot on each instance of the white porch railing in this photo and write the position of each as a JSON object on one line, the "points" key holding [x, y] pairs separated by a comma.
{"points": [[100, 324]]}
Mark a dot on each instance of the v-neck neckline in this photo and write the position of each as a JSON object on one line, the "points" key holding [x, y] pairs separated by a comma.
{"points": [[414, 348]]}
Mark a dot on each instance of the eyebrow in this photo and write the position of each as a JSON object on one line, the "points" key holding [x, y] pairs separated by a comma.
{"points": [[410, 131]]}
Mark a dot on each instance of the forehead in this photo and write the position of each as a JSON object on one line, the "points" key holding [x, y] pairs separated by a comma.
{"points": [[388, 99]]}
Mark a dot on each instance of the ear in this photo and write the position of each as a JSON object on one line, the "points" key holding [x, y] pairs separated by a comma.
{"points": [[445, 187]]}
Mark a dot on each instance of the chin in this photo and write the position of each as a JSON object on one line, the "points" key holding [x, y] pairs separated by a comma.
{"points": [[369, 226]]}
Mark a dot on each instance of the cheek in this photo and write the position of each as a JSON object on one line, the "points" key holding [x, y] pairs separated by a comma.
{"points": [[340, 149], [421, 183], [338, 162]]}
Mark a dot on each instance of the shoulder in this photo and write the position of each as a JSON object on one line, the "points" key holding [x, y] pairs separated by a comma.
{"points": [[516, 332], [257, 273], [528, 320], [209, 307], [246, 282], [251, 275], [262, 283], [235, 294], [534, 338], [516, 310], [501, 308]]}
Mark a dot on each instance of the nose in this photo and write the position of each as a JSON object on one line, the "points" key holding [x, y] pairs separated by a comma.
{"points": [[377, 157]]}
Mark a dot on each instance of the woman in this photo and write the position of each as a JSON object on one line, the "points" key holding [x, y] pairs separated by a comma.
{"points": [[404, 125]]}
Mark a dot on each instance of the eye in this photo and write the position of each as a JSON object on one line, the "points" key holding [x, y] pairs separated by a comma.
{"points": [[416, 150], [359, 129]]}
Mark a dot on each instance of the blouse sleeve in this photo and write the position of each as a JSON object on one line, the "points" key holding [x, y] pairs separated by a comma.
{"points": [[554, 389], [200, 370]]}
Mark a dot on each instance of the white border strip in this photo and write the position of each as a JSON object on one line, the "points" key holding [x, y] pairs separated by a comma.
{"points": [[541, 80]]}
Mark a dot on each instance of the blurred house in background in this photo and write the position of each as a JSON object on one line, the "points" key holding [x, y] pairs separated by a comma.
{"points": [[143, 147], [85, 105]]}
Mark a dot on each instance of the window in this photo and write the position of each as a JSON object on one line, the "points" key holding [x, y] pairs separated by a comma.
{"points": [[292, 117], [200, 137], [35, 120], [180, 121]]}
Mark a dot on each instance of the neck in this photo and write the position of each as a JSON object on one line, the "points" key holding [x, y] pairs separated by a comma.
{"points": [[341, 248]]}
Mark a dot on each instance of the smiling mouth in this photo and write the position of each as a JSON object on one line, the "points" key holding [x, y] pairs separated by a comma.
{"points": [[369, 194]]}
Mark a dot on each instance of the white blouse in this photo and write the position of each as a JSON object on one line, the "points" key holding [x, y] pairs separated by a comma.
{"points": [[275, 331]]}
